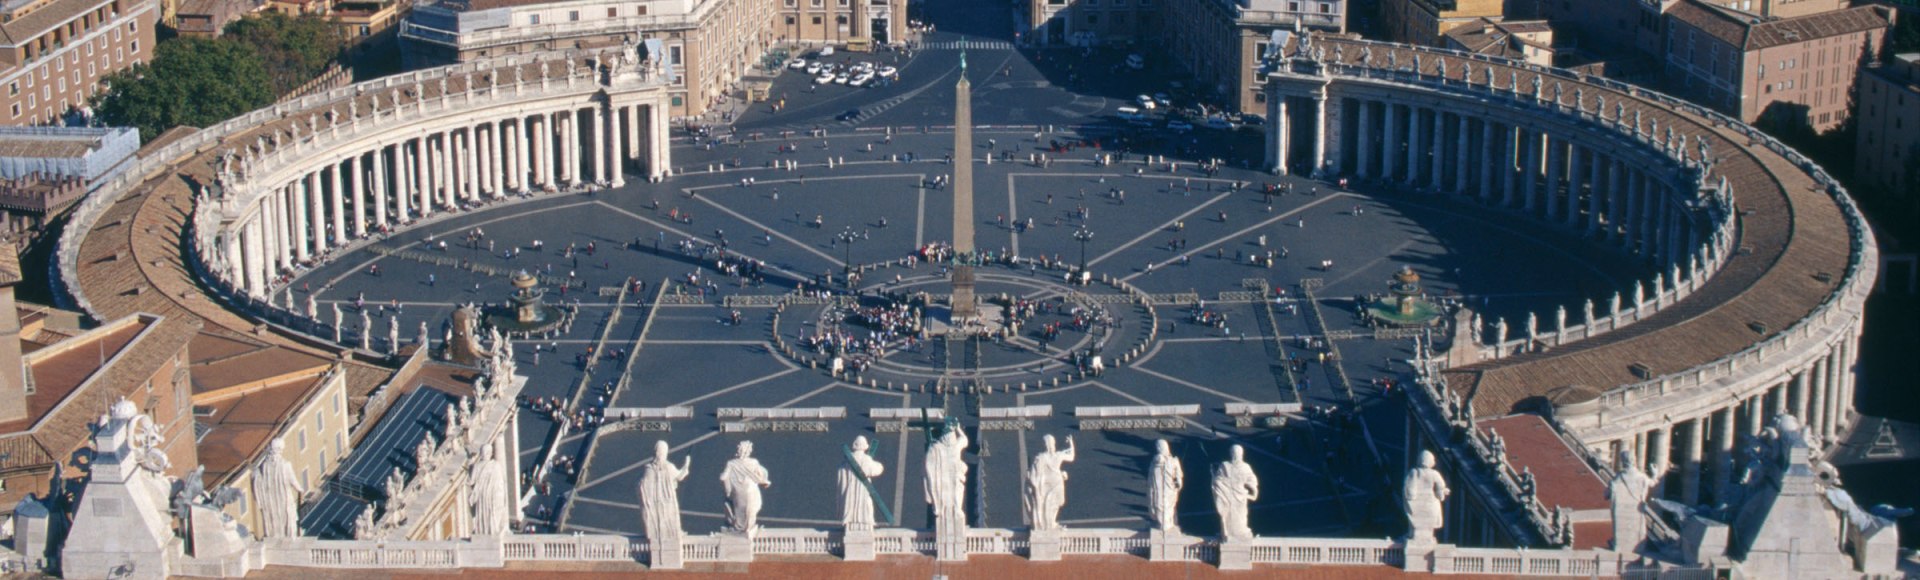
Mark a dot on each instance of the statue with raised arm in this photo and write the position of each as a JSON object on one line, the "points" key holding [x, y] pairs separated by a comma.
{"points": [[946, 484], [1423, 494], [742, 481], [492, 503], [1166, 477], [1235, 486], [277, 491], [1047, 484], [856, 474], [660, 496], [1628, 494]]}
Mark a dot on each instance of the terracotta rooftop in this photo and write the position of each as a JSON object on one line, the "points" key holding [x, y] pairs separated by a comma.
{"points": [[1794, 233], [61, 413], [238, 424], [1562, 477], [43, 19], [1751, 32]]}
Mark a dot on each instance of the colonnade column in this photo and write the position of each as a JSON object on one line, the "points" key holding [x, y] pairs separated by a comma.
{"points": [[1390, 149], [1801, 384], [337, 203], [1462, 154], [316, 214], [1723, 434], [1576, 176], [658, 131], [597, 135], [377, 185], [1556, 154], [516, 155], [1363, 168], [1437, 154], [496, 140], [1658, 444], [358, 181], [422, 168], [1283, 143], [250, 251], [1527, 173], [1691, 463], [570, 126], [1320, 124], [616, 156], [1488, 158]]}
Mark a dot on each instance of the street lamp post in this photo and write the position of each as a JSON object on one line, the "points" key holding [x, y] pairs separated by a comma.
{"points": [[1084, 235], [846, 238]]}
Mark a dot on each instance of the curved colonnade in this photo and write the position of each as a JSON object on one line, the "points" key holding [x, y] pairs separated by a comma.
{"points": [[354, 164], [1762, 263]]}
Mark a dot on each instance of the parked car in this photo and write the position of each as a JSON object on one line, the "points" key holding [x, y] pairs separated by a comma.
{"points": [[824, 78], [1253, 120], [1136, 62], [889, 72], [1218, 122], [840, 78], [813, 68], [798, 64], [861, 79], [1146, 102], [826, 51], [1179, 126], [850, 115]]}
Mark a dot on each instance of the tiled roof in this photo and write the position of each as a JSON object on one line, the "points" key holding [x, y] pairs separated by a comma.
{"points": [[44, 19], [1750, 32], [1562, 477], [65, 424]]}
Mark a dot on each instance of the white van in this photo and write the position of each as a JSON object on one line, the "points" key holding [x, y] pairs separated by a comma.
{"points": [[1131, 113], [1136, 62]]}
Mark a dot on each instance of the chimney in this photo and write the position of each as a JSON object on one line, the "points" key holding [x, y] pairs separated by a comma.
{"points": [[13, 374]]}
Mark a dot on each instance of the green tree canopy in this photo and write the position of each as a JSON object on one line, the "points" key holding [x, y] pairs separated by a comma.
{"points": [[294, 49], [190, 82]]}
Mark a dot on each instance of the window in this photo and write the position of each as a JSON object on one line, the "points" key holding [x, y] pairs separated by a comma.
{"points": [[673, 55], [535, 19], [816, 21], [840, 20], [303, 439], [573, 16], [642, 11], [16, 110], [613, 12], [134, 47], [320, 422], [339, 442], [790, 20], [13, 88]]}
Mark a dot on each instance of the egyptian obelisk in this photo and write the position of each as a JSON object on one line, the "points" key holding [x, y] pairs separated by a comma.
{"points": [[965, 305]]}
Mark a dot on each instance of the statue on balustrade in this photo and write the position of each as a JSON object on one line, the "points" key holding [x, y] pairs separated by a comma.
{"points": [[742, 481], [1423, 494], [492, 503], [277, 491], [660, 495], [856, 475], [946, 485], [1235, 486], [1047, 484], [1167, 477], [1628, 494]]}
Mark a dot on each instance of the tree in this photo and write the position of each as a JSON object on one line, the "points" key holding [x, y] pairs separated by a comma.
{"points": [[191, 81], [295, 49]]}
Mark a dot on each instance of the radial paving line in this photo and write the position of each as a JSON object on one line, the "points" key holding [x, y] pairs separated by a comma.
{"points": [[592, 434], [1161, 228], [1242, 232]]}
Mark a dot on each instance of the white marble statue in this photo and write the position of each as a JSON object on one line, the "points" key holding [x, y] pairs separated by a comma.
{"points": [[1167, 477], [946, 483], [277, 491], [1628, 494], [1422, 496], [742, 481], [1235, 486], [660, 495], [859, 470], [1047, 484], [492, 503]]}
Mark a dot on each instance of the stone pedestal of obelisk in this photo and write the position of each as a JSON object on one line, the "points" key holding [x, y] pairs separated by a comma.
{"points": [[965, 307]]}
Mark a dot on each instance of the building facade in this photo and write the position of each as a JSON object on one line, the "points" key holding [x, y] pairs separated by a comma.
{"points": [[708, 45], [54, 52], [44, 170], [1426, 22], [854, 23], [1889, 121], [1091, 22], [1794, 71], [1221, 42]]}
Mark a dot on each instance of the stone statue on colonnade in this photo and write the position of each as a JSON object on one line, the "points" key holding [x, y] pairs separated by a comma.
{"points": [[1423, 495], [1235, 486]]}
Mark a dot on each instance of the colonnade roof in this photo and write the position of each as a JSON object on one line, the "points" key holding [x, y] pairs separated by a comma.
{"points": [[1796, 248]]}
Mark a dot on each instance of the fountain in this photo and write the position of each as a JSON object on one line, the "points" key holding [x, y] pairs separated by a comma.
{"points": [[1405, 305], [526, 312]]}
